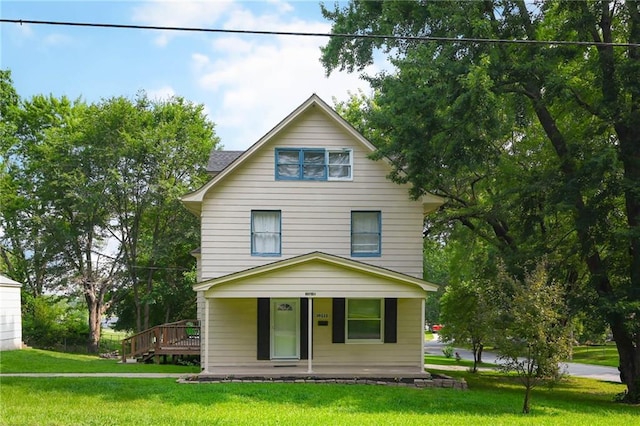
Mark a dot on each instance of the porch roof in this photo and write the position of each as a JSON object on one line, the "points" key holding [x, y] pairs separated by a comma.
{"points": [[316, 274]]}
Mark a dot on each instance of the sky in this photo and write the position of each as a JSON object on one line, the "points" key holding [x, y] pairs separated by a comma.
{"points": [[247, 83]]}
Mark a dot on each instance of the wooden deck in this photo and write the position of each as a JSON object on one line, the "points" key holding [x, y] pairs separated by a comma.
{"points": [[177, 338]]}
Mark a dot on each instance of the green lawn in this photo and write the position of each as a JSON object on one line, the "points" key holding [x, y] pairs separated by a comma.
{"points": [[40, 361], [492, 399], [597, 355], [444, 361]]}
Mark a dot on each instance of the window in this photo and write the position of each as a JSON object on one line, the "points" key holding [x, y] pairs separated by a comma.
{"points": [[365, 233], [265, 233], [364, 320], [339, 165], [313, 164]]}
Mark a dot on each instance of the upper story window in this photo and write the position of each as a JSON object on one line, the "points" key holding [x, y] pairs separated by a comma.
{"points": [[266, 233], [366, 235], [313, 164]]}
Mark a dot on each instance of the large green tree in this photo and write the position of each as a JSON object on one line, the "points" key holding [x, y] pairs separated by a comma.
{"points": [[90, 198], [158, 153], [536, 146]]}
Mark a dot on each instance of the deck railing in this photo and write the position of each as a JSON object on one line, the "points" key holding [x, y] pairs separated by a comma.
{"points": [[176, 338]]}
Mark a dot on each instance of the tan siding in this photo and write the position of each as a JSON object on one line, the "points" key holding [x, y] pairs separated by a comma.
{"points": [[315, 215], [233, 335], [233, 332], [320, 278], [405, 352]]}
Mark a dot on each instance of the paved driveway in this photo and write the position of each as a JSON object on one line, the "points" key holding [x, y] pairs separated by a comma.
{"points": [[609, 374]]}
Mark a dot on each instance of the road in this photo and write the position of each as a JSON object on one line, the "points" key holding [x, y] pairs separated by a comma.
{"points": [[609, 374]]}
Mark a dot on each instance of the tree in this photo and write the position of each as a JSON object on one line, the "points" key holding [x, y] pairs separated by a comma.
{"points": [[535, 146], [534, 336], [109, 208], [467, 317], [28, 253], [157, 151]]}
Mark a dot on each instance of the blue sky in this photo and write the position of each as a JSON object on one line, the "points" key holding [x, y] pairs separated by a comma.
{"points": [[247, 83]]}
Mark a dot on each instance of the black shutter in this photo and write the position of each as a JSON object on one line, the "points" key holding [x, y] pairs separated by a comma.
{"points": [[264, 328], [338, 320], [304, 328], [390, 320]]}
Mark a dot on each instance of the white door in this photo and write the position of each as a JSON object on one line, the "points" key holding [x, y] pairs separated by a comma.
{"points": [[285, 328]]}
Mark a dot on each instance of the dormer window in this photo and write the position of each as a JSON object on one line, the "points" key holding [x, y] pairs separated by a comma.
{"points": [[313, 164]]}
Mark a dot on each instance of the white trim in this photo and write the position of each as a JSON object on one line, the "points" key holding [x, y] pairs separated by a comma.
{"points": [[340, 151], [273, 309], [316, 256], [422, 315], [205, 333], [310, 335]]}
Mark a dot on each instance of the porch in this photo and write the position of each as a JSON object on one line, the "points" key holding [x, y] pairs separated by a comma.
{"points": [[345, 375], [176, 339]]}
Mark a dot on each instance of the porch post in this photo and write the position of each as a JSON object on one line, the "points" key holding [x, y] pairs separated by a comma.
{"points": [[204, 332], [310, 332], [422, 317]]}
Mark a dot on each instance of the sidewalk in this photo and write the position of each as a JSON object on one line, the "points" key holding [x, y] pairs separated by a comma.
{"points": [[120, 375], [608, 374]]}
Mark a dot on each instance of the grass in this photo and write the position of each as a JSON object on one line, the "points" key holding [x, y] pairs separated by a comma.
{"points": [[492, 399], [111, 340], [41, 361], [605, 355], [444, 361], [597, 355]]}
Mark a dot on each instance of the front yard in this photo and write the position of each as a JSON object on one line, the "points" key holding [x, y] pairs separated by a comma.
{"points": [[492, 399]]}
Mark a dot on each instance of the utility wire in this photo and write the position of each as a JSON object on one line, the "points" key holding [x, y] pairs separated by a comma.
{"points": [[311, 34]]}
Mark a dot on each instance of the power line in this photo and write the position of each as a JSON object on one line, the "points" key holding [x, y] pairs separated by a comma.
{"points": [[312, 34]]}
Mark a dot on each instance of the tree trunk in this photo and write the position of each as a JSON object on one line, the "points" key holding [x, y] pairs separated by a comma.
{"points": [[525, 404], [93, 305]]}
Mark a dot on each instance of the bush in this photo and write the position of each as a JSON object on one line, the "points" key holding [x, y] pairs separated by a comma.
{"points": [[448, 351], [53, 322]]}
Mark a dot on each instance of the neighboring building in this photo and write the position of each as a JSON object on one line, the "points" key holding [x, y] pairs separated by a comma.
{"points": [[307, 247], [10, 315]]}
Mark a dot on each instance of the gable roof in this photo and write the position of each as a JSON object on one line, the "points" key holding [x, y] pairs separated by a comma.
{"points": [[321, 257], [219, 160], [193, 200]]}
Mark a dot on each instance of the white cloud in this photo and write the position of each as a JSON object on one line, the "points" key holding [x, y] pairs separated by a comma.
{"points": [[249, 83], [255, 81], [179, 14]]}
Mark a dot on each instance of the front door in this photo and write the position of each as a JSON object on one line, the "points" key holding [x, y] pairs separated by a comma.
{"points": [[285, 328]]}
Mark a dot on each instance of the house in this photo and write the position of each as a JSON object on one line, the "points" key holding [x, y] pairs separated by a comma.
{"points": [[310, 257], [10, 315]]}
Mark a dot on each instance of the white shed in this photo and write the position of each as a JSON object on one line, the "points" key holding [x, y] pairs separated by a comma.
{"points": [[10, 315]]}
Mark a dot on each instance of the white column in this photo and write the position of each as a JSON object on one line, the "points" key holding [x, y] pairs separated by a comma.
{"points": [[422, 335], [310, 335], [204, 332]]}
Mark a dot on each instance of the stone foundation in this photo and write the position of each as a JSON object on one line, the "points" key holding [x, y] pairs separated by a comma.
{"points": [[433, 381]]}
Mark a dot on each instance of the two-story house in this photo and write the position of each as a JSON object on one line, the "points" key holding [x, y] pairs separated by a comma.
{"points": [[309, 255]]}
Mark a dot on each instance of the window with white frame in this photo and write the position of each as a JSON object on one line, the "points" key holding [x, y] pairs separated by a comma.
{"points": [[265, 233], [366, 233], [339, 164], [313, 164], [364, 320]]}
